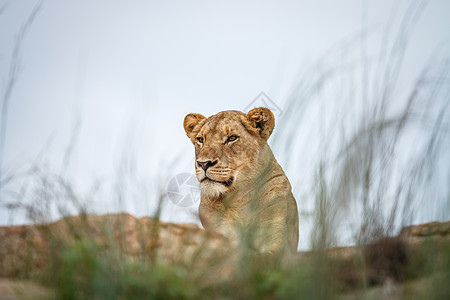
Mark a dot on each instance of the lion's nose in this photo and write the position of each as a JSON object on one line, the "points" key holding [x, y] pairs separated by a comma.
{"points": [[206, 164]]}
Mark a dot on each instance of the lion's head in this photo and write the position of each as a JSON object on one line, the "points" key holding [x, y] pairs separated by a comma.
{"points": [[227, 145]]}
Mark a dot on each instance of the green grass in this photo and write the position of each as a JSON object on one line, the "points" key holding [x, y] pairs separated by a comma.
{"points": [[85, 270]]}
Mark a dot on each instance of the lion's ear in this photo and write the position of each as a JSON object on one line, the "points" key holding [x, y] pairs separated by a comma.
{"points": [[263, 120], [190, 121]]}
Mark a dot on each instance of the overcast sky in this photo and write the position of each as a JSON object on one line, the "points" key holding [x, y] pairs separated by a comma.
{"points": [[129, 71]]}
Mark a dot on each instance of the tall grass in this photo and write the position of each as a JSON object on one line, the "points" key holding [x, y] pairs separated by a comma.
{"points": [[376, 148]]}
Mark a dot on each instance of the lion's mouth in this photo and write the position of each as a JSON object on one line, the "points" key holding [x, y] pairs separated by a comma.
{"points": [[226, 182]]}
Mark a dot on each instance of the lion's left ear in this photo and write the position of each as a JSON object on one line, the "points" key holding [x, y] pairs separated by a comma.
{"points": [[263, 120]]}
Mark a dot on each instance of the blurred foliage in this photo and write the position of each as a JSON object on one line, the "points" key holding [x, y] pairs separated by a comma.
{"points": [[85, 270]]}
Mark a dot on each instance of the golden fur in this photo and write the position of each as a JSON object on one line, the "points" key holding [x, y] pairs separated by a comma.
{"points": [[243, 188]]}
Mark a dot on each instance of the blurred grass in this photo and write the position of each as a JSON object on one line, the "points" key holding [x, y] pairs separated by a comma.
{"points": [[85, 269], [83, 273]]}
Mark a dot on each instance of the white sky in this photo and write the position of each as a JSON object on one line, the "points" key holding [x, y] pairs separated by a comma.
{"points": [[130, 71]]}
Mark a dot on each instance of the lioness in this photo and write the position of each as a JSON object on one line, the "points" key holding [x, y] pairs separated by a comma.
{"points": [[243, 188]]}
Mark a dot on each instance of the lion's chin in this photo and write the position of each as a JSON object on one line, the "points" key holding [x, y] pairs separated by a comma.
{"points": [[212, 189]]}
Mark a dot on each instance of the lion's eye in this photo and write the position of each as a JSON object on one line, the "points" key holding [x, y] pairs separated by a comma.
{"points": [[200, 140], [232, 138]]}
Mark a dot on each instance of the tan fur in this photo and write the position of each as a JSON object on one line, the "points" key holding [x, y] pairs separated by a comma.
{"points": [[244, 189]]}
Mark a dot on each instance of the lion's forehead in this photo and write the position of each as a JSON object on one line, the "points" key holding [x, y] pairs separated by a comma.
{"points": [[222, 124]]}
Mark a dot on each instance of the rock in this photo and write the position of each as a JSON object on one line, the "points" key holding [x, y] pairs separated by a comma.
{"points": [[26, 249], [416, 234]]}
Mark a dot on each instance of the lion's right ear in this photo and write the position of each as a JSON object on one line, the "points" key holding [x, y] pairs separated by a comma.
{"points": [[191, 121]]}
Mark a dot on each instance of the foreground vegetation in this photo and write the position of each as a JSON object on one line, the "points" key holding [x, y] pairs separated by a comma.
{"points": [[93, 257], [86, 271]]}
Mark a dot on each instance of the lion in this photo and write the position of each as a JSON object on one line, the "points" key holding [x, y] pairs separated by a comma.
{"points": [[243, 188]]}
